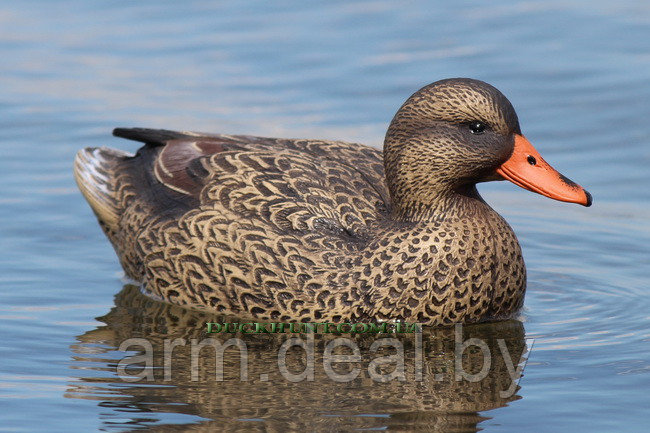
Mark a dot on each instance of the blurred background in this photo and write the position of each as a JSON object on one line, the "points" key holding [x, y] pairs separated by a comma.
{"points": [[577, 72]]}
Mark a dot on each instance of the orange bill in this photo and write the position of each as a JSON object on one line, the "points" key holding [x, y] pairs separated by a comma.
{"points": [[527, 168]]}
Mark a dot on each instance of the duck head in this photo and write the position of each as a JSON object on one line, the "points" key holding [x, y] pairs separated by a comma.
{"points": [[454, 133]]}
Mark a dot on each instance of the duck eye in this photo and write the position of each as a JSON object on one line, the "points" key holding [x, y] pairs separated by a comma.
{"points": [[477, 127], [531, 160]]}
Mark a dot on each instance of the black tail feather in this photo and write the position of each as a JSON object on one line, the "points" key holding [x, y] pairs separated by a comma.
{"points": [[153, 137]]}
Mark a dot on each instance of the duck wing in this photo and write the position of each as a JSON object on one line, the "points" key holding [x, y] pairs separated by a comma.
{"points": [[175, 172], [176, 164]]}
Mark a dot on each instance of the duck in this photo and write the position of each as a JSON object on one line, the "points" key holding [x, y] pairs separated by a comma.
{"points": [[309, 230]]}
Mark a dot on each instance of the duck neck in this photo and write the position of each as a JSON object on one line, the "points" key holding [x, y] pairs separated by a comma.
{"points": [[438, 205], [422, 179]]}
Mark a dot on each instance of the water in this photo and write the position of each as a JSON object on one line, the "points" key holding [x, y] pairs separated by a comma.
{"points": [[577, 74]]}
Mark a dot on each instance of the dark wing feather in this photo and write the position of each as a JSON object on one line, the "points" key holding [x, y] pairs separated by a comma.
{"points": [[178, 164], [153, 137], [167, 169]]}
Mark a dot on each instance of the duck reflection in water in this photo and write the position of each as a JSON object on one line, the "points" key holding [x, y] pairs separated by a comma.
{"points": [[426, 389]]}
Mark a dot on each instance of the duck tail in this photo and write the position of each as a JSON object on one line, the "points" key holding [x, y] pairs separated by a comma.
{"points": [[94, 171]]}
